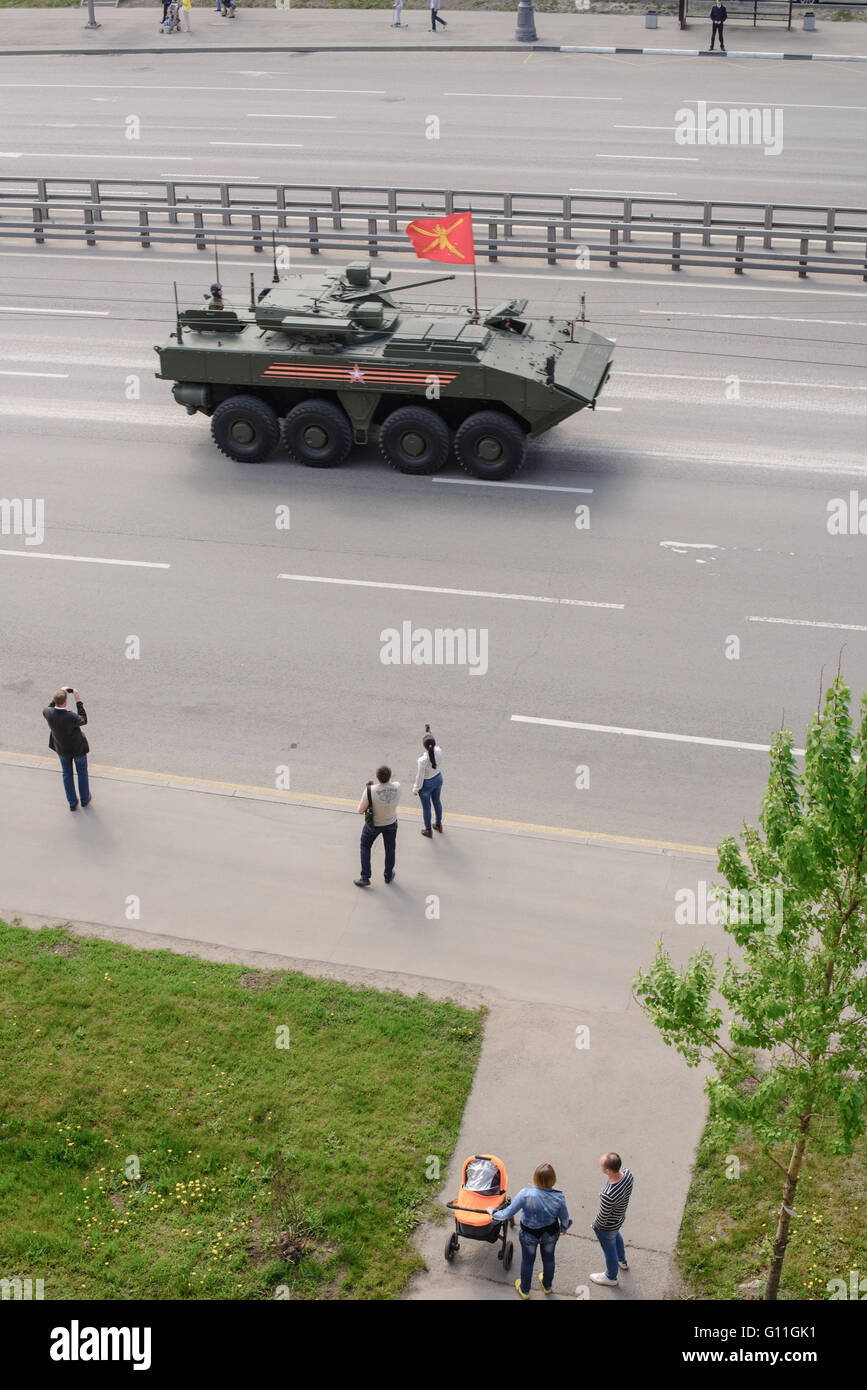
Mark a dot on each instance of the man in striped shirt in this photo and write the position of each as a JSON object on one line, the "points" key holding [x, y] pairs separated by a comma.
{"points": [[613, 1201]]}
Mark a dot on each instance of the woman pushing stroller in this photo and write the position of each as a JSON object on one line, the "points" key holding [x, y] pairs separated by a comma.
{"points": [[544, 1217]]}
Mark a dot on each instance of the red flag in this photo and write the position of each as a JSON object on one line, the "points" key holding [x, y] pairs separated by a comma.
{"points": [[444, 238]]}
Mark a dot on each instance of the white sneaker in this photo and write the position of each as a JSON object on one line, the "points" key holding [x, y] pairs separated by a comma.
{"points": [[623, 1264], [603, 1279]]}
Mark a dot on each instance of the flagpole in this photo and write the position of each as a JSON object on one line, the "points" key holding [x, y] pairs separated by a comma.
{"points": [[475, 318]]}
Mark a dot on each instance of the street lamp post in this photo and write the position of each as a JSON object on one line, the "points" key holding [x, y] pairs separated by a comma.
{"points": [[525, 30], [91, 17]]}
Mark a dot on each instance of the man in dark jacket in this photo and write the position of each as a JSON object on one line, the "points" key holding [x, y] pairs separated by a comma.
{"points": [[718, 15], [69, 743]]}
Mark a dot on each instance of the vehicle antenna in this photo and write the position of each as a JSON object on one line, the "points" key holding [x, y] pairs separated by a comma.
{"points": [[582, 309], [475, 317], [252, 294], [178, 313], [216, 261], [275, 278]]}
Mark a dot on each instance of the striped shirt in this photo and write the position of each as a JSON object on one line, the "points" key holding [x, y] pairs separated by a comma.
{"points": [[613, 1201]]}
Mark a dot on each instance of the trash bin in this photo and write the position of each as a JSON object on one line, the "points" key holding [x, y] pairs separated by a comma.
{"points": [[650, 20], [809, 21]]}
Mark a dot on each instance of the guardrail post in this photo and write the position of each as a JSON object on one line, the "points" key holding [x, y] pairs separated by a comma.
{"points": [[392, 207], [280, 199], [768, 241], [507, 214], [144, 236], [312, 233], [371, 236], [256, 225], [707, 223], [42, 195], [492, 241], [567, 217], [739, 253], [830, 224], [675, 250], [95, 198], [337, 220], [171, 199], [627, 219], [38, 226], [864, 276], [449, 200], [612, 247], [88, 225], [224, 202], [803, 258], [552, 244], [199, 224]]}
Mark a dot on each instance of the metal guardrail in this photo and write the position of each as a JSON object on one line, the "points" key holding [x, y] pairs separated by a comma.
{"points": [[602, 229]]}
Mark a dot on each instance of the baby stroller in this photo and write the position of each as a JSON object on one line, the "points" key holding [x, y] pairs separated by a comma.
{"points": [[172, 22], [483, 1184]]}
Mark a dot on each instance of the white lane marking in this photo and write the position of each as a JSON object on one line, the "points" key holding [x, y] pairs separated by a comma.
{"points": [[529, 487], [55, 154], [486, 274], [76, 313], [183, 87], [657, 158], [625, 192], [88, 559], [649, 733], [689, 545], [795, 105], [461, 593], [7, 154], [745, 381], [613, 409], [211, 178], [56, 376], [807, 622], [761, 318], [648, 127], [287, 116], [255, 145], [530, 96]]}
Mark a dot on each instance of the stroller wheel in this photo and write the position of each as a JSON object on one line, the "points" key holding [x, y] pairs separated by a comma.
{"points": [[507, 1257], [452, 1246]]}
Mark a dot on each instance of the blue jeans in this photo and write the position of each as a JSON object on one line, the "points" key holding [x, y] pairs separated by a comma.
{"points": [[612, 1244], [389, 839], [69, 780], [428, 792], [530, 1242]]}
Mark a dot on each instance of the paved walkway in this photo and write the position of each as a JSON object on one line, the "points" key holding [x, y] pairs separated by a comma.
{"points": [[545, 929], [287, 30]]}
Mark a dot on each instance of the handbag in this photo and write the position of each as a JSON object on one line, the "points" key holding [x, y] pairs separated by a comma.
{"points": [[368, 815]]}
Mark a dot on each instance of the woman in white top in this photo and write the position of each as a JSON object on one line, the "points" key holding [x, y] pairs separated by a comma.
{"points": [[428, 782]]}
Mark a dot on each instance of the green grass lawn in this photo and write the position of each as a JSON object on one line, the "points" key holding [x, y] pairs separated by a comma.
{"points": [[729, 1223], [156, 1142]]}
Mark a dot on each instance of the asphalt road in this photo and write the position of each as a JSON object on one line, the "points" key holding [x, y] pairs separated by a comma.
{"points": [[706, 514], [534, 121]]}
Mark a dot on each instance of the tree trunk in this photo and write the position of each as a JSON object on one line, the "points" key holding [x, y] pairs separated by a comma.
{"points": [[781, 1238]]}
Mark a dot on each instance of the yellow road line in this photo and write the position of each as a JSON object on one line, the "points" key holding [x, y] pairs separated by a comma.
{"points": [[169, 779]]}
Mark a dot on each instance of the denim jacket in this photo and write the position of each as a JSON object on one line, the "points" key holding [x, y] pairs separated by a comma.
{"points": [[542, 1206]]}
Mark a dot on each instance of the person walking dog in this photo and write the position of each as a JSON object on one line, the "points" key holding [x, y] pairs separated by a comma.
{"points": [[435, 16], [378, 805], [718, 16], [613, 1201], [428, 782], [545, 1215], [69, 743]]}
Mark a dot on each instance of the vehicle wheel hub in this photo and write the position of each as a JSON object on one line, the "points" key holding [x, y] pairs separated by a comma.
{"points": [[414, 444], [243, 432], [315, 437], [489, 449]]}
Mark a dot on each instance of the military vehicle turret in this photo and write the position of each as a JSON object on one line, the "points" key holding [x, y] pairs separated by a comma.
{"points": [[336, 357]]}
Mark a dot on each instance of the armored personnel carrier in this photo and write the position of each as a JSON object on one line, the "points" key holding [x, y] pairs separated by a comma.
{"points": [[335, 357]]}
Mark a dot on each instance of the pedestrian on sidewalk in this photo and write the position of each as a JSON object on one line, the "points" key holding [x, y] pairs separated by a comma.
{"points": [[186, 8], [378, 805], [69, 743], [435, 16], [398, 10], [428, 782], [544, 1216], [613, 1201], [718, 16]]}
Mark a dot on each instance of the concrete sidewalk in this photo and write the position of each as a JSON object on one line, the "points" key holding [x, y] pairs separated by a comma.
{"points": [[34, 31], [547, 931]]}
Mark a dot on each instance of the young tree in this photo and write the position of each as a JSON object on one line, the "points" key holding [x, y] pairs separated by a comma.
{"points": [[789, 1046]]}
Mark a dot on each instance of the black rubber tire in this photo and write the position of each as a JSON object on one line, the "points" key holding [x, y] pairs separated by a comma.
{"points": [[507, 1258], [249, 415], [415, 440], [496, 435], [451, 1247], [317, 433]]}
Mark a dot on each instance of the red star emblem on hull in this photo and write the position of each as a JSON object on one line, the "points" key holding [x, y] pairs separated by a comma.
{"points": [[356, 374]]}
